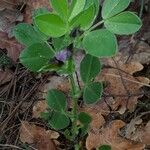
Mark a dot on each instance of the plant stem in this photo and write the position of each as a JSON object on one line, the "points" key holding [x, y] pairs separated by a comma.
{"points": [[96, 25], [141, 9], [75, 105]]}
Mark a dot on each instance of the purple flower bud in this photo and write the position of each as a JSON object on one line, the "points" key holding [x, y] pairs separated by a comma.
{"points": [[63, 55]]}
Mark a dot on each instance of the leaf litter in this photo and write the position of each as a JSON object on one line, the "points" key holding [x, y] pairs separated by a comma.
{"points": [[121, 95]]}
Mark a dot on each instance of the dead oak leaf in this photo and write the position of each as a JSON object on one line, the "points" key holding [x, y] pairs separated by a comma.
{"points": [[33, 134], [138, 133], [97, 112], [109, 135], [123, 86]]}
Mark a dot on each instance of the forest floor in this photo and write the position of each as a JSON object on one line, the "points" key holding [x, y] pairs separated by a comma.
{"points": [[121, 118]]}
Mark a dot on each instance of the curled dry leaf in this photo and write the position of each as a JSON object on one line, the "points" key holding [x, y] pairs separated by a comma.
{"points": [[142, 53], [109, 135], [122, 85], [138, 133], [38, 136]]}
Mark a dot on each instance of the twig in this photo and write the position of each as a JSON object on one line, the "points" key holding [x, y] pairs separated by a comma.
{"points": [[11, 146], [117, 76]]}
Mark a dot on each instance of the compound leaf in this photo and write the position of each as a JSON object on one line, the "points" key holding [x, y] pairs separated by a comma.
{"points": [[100, 43], [36, 56], [123, 23]]}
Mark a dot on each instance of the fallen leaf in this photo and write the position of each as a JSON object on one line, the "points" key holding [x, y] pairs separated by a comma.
{"points": [[11, 45], [38, 108], [97, 112], [139, 132], [5, 76], [7, 20], [54, 82], [9, 4], [53, 134], [33, 134], [122, 85], [109, 135]]}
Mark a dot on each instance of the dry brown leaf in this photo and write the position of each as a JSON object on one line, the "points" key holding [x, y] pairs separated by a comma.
{"points": [[38, 108], [142, 53], [138, 133], [11, 45], [97, 112], [53, 134], [5, 76], [8, 19], [121, 83], [33, 134], [9, 4], [55, 82], [9, 14], [109, 135]]}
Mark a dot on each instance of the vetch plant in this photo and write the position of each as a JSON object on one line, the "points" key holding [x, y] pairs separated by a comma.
{"points": [[52, 41]]}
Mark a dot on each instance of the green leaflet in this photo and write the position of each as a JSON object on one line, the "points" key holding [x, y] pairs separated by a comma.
{"points": [[26, 34], [92, 92], [61, 8], [56, 100], [51, 25], [84, 19], [76, 7], [58, 121], [123, 23], [100, 43], [84, 118], [113, 7], [36, 56], [89, 68]]}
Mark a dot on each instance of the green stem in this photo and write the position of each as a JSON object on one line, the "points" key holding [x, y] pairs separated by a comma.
{"points": [[93, 27], [75, 105], [96, 25]]}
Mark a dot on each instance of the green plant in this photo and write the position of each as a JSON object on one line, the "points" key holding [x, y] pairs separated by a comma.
{"points": [[56, 36], [104, 147]]}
